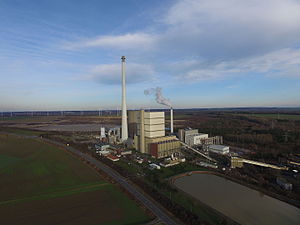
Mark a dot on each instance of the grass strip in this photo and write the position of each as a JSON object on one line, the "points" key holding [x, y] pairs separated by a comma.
{"points": [[57, 194]]}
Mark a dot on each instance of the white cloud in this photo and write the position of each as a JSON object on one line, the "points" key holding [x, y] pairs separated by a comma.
{"points": [[111, 73], [232, 28], [213, 29], [222, 38], [232, 12], [135, 41], [277, 61], [281, 63]]}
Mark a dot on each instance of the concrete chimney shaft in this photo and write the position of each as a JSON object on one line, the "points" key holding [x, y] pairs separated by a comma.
{"points": [[171, 120], [124, 135]]}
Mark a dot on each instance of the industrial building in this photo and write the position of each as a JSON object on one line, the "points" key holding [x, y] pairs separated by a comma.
{"points": [[103, 152], [162, 146], [102, 132], [147, 130], [216, 140], [175, 159], [192, 137], [183, 133], [195, 139], [114, 135], [112, 158], [219, 149], [101, 146], [153, 166]]}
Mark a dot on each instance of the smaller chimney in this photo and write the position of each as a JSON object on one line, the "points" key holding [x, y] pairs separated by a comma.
{"points": [[171, 122]]}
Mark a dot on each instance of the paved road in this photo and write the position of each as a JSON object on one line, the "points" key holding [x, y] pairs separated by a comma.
{"points": [[150, 204]]}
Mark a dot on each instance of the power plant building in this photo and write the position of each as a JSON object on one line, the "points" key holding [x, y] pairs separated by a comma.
{"points": [[216, 140], [161, 147], [219, 149], [183, 133], [195, 139], [147, 129], [192, 137], [154, 124], [102, 132]]}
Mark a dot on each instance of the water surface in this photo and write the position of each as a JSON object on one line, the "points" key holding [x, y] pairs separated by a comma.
{"points": [[240, 203]]}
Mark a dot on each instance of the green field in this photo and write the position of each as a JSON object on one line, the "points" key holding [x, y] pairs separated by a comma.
{"points": [[42, 184], [22, 131], [6, 160], [275, 116]]}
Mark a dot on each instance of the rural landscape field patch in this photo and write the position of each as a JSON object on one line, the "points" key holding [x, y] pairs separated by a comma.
{"points": [[41, 184]]}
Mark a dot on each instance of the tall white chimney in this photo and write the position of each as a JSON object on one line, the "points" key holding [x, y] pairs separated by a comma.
{"points": [[171, 122], [124, 136]]}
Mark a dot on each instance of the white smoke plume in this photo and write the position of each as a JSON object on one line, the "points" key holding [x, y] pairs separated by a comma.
{"points": [[158, 96]]}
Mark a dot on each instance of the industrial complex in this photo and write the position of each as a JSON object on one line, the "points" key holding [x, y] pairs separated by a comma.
{"points": [[145, 133]]}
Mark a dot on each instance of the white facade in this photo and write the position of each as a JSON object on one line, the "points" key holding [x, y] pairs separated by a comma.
{"points": [[128, 152], [154, 134], [153, 127], [154, 166], [195, 139], [102, 132], [153, 115], [153, 121], [154, 124], [182, 133], [103, 152], [219, 149], [101, 147]]}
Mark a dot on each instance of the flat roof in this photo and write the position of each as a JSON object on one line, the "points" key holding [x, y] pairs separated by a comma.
{"points": [[198, 134], [220, 147], [112, 156]]}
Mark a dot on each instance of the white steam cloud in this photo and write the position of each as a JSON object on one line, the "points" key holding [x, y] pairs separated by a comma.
{"points": [[158, 96]]}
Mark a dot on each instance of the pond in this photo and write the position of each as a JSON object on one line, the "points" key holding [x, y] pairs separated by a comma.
{"points": [[240, 203]]}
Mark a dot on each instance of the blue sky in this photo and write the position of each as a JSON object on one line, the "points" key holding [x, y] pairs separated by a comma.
{"points": [[65, 55]]}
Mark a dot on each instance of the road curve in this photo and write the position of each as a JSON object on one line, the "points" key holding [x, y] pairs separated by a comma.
{"points": [[146, 201]]}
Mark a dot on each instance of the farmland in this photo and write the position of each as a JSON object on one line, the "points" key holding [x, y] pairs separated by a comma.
{"points": [[41, 184]]}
